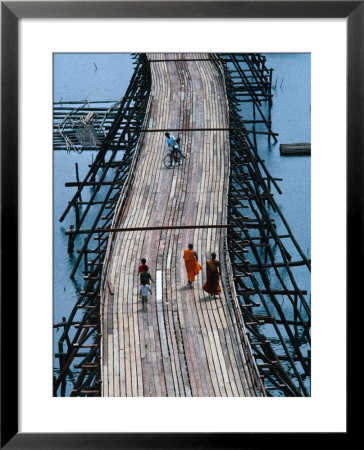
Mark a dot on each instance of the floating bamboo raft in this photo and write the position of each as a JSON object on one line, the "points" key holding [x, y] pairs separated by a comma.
{"points": [[301, 148], [187, 343]]}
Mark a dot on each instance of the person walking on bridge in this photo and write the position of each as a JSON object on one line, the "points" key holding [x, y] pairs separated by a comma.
{"points": [[144, 290], [193, 267], [212, 285], [145, 276], [142, 265]]}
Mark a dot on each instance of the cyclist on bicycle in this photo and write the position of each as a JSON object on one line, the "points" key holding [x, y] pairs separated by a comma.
{"points": [[173, 144], [178, 148]]}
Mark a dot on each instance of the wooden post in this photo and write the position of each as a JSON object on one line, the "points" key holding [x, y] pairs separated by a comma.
{"points": [[77, 215], [71, 239], [254, 135], [295, 316], [61, 363], [85, 255], [78, 181]]}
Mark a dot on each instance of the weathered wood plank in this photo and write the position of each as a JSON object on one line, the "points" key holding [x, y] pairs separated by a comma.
{"points": [[190, 345]]}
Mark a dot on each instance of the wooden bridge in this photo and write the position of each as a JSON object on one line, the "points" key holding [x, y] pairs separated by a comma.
{"points": [[187, 343]]}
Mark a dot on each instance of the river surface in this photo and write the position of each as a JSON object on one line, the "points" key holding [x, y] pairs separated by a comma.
{"points": [[105, 77]]}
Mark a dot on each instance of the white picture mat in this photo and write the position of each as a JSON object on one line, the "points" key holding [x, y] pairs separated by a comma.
{"points": [[325, 410]]}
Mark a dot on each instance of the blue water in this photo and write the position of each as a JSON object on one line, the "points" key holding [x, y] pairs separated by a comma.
{"points": [[92, 76], [291, 118], [105, 77]]}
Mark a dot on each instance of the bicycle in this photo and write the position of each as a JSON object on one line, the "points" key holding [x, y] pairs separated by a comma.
{"points": [[172, 159]]}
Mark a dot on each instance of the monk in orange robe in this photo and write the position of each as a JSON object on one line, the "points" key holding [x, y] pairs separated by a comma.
{"points": [[192, 265], [212, 285]]}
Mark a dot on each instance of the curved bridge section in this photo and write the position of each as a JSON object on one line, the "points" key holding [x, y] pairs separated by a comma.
{"points": [[187, 343]]}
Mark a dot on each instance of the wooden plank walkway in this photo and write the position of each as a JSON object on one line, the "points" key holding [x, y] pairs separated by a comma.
{"points": [[190, 346]]}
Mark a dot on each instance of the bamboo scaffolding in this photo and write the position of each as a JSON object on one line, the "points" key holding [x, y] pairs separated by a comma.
{"points": [[256, 194]]}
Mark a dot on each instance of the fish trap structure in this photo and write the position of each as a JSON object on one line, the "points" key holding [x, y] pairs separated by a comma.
{"points": [[82, 125], [256, 254]]}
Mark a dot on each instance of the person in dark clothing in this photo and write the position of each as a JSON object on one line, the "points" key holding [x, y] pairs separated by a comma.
{"points": [[212, 285], [145, 276]]}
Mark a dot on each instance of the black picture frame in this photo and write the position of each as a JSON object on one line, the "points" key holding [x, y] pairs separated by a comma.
{"points": [[11, 12]]}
